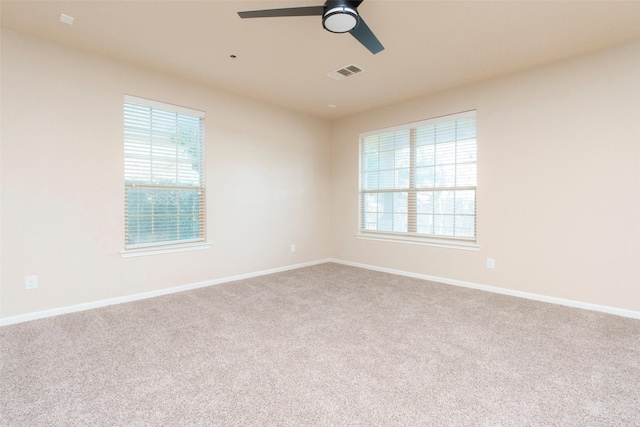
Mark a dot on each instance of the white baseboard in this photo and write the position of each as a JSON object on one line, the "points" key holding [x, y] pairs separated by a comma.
{"points": [[537, 297], [144, 295]]}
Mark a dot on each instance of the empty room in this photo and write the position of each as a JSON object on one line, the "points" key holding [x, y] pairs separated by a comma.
{"points": [[308, 213]]}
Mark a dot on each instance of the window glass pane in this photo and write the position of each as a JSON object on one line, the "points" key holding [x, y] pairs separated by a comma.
{"points": [[445, 132], [139, 201], [385, 202], [188, 227], [165, 228], [400, 202], [400, 222], [371, 221], [370, 161], [464, 226], [402, 178], [188, 202], [190, 224], [139, 209], [402, 158], [387, 142], [370, 181], [370, 144], [466, 175], [387, 178], [425, 224], [137, 170], [443, 225], [445, 153], [425, 177], [465, 202], [139, 229], [425, 155], [443, 202], [162, 215], [424, 202], [402, 139], [187, 174], [426, 135], [466, 151], [371, 203], [466, 128], [385, 222], [386, 160], [165, 202], [445, 176]]}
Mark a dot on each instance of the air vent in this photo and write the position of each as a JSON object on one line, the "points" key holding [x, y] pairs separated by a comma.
{"points": [[344, 72]]}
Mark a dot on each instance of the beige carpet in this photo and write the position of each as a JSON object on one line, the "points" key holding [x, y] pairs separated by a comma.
{"points": [[324, 345]]}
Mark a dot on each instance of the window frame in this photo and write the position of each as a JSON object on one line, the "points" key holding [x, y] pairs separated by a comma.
{"points": [[411, 236], [176, 245]]}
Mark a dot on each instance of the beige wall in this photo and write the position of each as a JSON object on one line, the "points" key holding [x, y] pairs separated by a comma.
{"points": [[62, 181], [558, 182], [558, 192]]}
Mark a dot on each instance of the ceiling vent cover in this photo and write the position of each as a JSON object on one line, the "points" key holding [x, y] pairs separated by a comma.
{"points": [[344, 72]]}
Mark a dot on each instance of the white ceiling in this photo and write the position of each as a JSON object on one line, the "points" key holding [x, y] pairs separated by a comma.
{"points": [[429, 45]]}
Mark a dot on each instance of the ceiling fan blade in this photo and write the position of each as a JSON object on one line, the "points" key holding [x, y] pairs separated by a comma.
{"points": [[364, 35], [290, 11]]}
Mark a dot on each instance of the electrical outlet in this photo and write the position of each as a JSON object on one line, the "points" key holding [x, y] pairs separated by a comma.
{"points": [[31, 282], [491, 263], [293, 247]]}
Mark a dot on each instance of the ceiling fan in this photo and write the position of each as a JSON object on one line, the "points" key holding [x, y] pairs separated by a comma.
{"points": [[338, 16]]}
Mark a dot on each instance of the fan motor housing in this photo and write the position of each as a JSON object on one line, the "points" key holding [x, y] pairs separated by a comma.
{"points": [[339, 16]]}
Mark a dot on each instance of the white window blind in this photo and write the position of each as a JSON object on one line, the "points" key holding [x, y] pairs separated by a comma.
{"points": [[164, 174], [419, 179]]}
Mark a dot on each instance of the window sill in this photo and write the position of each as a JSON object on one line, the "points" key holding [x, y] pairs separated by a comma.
{"points": [[466, 245], [157, 250]]}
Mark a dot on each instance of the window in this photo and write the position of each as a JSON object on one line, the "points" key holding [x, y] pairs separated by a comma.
{"points": [[163, 174], [418, 181]]}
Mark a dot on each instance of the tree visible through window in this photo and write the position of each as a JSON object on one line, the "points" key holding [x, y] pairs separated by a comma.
{"points": [[420, 179], [164, 174]]}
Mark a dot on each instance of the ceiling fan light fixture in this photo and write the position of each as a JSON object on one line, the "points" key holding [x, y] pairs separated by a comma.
{"points": [[338, 16], [340, 19]]}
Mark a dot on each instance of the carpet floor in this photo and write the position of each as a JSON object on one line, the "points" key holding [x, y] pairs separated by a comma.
{"points": [[328, 345]]}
